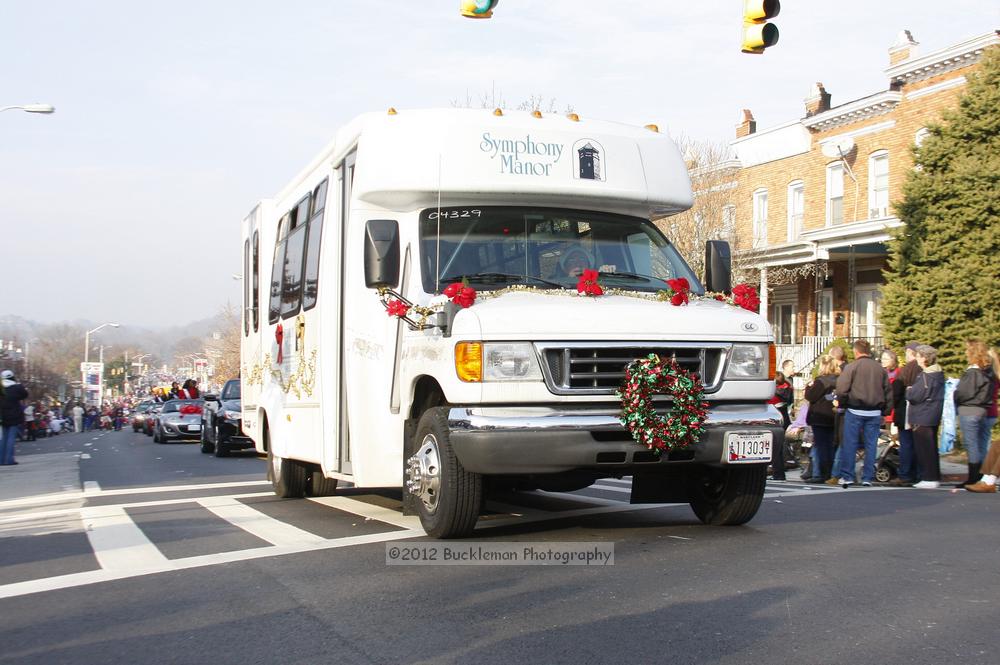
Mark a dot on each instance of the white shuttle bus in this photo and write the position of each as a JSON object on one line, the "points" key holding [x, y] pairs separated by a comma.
{"points": [[358, 367]]}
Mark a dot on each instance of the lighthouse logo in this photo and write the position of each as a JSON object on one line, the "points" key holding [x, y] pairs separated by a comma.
{"points": [[588, 156]]}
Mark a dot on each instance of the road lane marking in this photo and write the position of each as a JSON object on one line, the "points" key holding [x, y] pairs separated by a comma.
{"points": [[368, 510], [608, 488], [91, 487], [131, 504], [118, 542], [169, 565], [174, 488], [258, 524]]}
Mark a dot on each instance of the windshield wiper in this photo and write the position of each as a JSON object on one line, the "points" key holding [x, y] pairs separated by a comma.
{"points": [[500, 277], [631, 275]]}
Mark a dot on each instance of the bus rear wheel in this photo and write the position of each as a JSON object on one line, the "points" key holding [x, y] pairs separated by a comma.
{"points": [[728, 495], [287, 476], [448, 497]]}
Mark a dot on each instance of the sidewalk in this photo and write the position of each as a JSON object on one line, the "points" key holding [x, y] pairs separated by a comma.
{"points": [[950, 472], [38, 478]]}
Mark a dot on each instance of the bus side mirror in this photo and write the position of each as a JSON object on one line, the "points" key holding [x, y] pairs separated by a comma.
{"points": [[718, 267], [382, 253]]}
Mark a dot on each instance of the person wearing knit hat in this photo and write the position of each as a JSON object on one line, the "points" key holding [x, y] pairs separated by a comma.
{"points": [[11, 415]]}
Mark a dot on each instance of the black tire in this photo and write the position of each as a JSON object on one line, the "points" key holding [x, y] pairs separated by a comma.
{"points": [[156, 436], [728, 495], [320, 485], [221, 447], [287, 476], [454, 507], [206, 446]]}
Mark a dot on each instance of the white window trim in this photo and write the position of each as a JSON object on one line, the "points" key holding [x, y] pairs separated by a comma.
{"points": [[795, 226], [830, 168], [876, 211], [759, 221]]}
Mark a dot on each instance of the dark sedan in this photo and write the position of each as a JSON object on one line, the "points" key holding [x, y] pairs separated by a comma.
{"points": [[222, 422]]}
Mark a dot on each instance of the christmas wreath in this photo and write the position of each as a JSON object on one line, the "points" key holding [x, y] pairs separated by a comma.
{"points": [[682, 424]]}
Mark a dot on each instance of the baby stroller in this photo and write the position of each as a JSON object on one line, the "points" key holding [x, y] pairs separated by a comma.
{"points": [[886, 459]]}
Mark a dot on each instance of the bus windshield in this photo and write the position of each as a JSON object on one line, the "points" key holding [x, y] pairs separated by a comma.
{"points": [[496, 247]]}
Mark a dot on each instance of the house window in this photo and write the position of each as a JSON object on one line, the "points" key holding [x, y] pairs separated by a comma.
{"points": [[835, 193], [760, 217], [878, 185], [728, 223], [796, 208], [868, 314], [783, 322], [826, 313]]}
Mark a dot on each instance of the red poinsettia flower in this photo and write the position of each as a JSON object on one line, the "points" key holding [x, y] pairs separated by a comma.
{"points": [[745, 296], [465, 297], [396, 308], [460, 294], [679, 289], [588, 283]]}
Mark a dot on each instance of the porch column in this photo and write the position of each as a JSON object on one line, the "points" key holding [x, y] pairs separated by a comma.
{"points": [[763, 293]]}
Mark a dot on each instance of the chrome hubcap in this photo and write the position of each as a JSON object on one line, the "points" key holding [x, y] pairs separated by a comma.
{"points": [[423, 473]]}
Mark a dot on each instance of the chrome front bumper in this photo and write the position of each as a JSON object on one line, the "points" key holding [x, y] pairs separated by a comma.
{"points": [[519, 440]]}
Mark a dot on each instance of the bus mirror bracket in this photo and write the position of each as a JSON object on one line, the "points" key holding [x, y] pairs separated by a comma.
{"points": [[382, 254]]}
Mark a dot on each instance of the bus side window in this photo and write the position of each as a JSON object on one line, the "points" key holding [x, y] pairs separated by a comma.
{"points": [[246, 287], [274, 307], [256, 282], [291, 282]]}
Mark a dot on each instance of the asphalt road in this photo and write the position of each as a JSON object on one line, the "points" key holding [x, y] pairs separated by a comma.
{"points": [[180, 557]]}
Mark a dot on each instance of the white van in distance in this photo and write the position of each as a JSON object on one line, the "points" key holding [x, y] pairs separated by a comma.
{"points": [[358, 365]]}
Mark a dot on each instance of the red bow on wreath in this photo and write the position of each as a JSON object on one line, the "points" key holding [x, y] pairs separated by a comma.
{"points": [[279, 335], [396, 308]]}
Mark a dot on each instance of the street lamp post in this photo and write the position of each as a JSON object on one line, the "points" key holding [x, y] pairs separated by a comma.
{"points": [[86, 339], [86, 359]]}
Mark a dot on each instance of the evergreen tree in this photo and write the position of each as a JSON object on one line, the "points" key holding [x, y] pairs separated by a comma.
{"points": [[944, 264]]}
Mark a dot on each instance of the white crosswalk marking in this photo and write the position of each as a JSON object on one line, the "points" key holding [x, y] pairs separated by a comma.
{"points": [[369, 511], [118, 543], [258, 524]]}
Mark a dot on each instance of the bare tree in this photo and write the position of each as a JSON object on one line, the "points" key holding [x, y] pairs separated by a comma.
{"points": [[713, 171], [494, 99], [223, 349]]}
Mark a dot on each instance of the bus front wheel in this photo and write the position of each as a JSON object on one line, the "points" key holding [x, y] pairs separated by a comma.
{"points": [[287, 476], [448, 497]]}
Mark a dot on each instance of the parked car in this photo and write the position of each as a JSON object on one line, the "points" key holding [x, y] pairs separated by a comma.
{"points": [[179, 419], [139, 414], [222, 422]]}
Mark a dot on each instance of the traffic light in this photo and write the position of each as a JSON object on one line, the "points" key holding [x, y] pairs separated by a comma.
{"points": [[478, 8], [758, 34]]}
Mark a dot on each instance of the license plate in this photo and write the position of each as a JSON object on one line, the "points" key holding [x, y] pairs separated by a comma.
{"points": [[195, 427], [748, 447]]}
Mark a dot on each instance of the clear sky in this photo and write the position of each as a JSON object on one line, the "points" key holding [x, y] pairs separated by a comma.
{"points": [[174, 118]]}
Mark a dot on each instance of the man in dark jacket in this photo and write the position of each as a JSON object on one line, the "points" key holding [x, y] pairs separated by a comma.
{"points": [[908, 373], [11, 415], [863, 387]]}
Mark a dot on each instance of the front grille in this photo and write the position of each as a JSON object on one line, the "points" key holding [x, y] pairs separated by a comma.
{"points": [[574, 368]]}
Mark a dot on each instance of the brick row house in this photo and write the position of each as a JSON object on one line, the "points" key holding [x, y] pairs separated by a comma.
{"points": [[812, 199]]}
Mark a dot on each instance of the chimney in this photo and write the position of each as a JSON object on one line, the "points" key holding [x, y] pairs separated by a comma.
{"points": [[818, 100], [748, 126], [903, 48]]}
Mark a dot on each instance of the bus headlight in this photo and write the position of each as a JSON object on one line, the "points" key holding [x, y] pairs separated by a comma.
{"points": [[749, 361], [496, 361]]}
